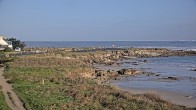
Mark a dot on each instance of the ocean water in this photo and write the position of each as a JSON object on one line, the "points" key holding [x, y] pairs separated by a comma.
{"points": [[178, 67], [176, 45]]}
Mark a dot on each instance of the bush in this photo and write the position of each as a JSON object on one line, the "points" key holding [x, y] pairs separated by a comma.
{"points": [[7, 49], [16, 43]]}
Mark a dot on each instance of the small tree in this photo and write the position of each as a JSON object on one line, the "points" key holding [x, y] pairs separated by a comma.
{"points": [[16, 43]]}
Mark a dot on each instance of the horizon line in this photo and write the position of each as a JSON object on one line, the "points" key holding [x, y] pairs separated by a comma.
{"points": [[104, 40]]}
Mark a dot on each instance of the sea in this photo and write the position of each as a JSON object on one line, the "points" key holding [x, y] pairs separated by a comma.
{"points": [[175, 45], [178, 67]]}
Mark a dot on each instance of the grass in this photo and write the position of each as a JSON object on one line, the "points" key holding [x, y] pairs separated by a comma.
{"points": [[3, 104], [65, 87]]}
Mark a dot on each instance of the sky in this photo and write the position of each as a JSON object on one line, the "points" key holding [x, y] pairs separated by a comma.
{"points": [[98, 20]]}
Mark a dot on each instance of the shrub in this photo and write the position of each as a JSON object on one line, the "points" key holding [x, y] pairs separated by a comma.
{"points": [[17, 43], [7, 49]]}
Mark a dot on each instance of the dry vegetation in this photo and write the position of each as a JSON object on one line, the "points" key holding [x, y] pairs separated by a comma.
{"points": [[49, 82]]}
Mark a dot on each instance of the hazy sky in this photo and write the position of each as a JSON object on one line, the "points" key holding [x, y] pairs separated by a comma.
{"points": [[98, 20]]}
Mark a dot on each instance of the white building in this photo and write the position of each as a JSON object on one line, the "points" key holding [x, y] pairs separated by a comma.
{"points": [[3, 43]]}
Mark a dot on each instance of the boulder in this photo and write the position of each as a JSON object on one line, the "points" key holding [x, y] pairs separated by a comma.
{"points": [[128, 72], [193, 69], [145, 60], [99, 73], [172, 78], [135, 63], [169, 78]]}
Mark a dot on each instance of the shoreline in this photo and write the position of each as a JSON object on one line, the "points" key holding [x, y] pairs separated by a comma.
{"points": [[173, 97], [176, 97], [87, 58]]}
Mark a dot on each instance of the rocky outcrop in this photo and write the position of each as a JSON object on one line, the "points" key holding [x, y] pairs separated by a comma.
{"points": [[93, 56], [169, 78], [102, 75], [109, 57], [193, 69], [106, 56], [128, 72]]}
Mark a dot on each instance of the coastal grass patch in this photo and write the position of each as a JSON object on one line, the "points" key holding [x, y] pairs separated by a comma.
{"points": [[50, 82], [3, 104]]}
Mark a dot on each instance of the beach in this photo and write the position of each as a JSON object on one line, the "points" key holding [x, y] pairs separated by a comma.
{"points": [[174, 97], [171, 78]]}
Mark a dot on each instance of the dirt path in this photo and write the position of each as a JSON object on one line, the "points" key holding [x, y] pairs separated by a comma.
{"points": [[11, 98]]}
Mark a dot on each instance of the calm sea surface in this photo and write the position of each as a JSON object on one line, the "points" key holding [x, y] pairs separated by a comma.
{"points": [[121, 44], [178, 67]]}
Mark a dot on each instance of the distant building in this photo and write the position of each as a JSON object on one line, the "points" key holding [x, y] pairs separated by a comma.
{"points": [[17, 49], [4, 43]]}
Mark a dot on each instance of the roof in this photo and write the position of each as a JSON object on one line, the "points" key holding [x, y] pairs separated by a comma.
{"points": [[2, 41]]}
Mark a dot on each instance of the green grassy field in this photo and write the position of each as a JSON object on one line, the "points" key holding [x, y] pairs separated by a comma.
{"points": [[56, 83], [3, 105]]}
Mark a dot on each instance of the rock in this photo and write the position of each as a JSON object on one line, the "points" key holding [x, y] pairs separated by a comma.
{"points": [[172, 78], [134, 63], [116, 78], [99, 73], [145, 60], [188, 96], [96, 71], [128, 72], [150, 73], [121, 72], [113, 64], [109, 63], [169, 78], [193, 69], [119, 63], [127, 62], [110, 71], [103, 75], [158, 74]]}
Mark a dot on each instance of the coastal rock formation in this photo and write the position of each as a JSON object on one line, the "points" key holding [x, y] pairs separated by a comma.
{"points": [[169, 78], [193, 69], [102, 75], [110, 55], [128, 72]]}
